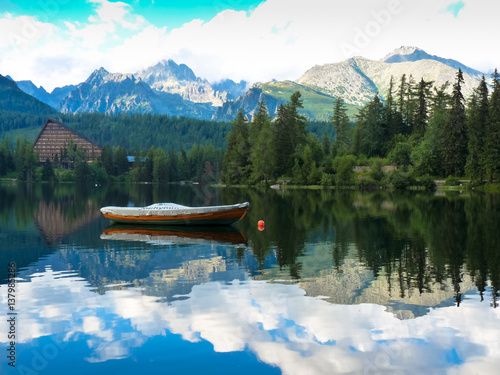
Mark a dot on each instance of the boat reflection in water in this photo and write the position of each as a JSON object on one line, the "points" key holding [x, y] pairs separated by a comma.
{"points": [[175, 234]]}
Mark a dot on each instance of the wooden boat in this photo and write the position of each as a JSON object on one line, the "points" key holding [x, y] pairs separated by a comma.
{"points": [[180, 235], [176, 214]]}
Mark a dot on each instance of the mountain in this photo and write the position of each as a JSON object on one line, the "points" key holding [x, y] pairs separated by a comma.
{"points": [[233, 89], [404, 54], [169, 77], [53, 99], [359, 79], [171, 88], [13, 99], [317, 105], [356, 79], [165, 88], [106, 92], [60, 93]]}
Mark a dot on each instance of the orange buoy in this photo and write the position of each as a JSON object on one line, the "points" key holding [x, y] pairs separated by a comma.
{"points": [[261, 225]]}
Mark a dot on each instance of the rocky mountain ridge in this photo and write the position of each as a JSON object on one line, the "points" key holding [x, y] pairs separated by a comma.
{"points": [[171, 88], [358, 80]]}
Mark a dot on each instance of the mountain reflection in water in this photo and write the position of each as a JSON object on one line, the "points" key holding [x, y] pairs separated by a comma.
{"points": [[336, 283]]}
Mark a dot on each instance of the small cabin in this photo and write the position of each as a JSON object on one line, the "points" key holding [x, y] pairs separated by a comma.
{"points": [[55, 137]]}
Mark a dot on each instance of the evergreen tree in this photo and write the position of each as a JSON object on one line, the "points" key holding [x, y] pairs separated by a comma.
{"points": [[6, 158], [160, 168], [263, 167], [477, 118], [120, 160], [284, 146], [290, 134], [455, 132], [47, 171], [426, 156], [326, 145], [25, 159], [393, 117], [196, 162], [173, 174], [82, 172], [492, 154], [107, 159], [372, 128], [410, 106], [149, 165], [258, 121], [299, 122], [261, 152], [235, 166], [182, 166], [340, 121], [422, 107]]}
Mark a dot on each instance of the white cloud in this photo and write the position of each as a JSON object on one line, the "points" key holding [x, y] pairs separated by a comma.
{"points": [[279, 39], [22, 32]]}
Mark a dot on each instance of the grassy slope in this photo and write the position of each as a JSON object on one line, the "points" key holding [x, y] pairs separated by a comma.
{"points": [[317, 106]]}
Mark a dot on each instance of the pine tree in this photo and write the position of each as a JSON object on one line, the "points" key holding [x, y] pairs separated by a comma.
{"points": [[160, 168], [261, 145], [182, 166], [299, 122], [421, 116], [393, 117], [492, 154], [235, 166], [290, 133], [340, 121], [47, 171], [410, 106], [372, 128], [120, 160], [258, 121], [477, 118], [107, 159], [325, 145], [262, 156], [455, 132]]}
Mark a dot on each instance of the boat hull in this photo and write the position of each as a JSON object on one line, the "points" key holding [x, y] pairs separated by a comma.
{"points": [[221, 217]]}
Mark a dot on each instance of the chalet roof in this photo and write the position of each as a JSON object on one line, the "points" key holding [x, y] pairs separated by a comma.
{"points": [[49, 121]]}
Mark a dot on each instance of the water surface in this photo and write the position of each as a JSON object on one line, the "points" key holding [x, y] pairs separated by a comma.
{"points": [[337, 283]]}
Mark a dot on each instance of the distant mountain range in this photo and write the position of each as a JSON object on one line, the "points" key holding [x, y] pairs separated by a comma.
{"points": [[356, 79], [170, 88]]}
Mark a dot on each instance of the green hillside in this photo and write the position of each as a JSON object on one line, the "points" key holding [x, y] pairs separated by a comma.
{"points": [[317, 106], [12, 99]]}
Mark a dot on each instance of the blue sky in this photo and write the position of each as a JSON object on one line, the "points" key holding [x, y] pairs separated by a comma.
{"points": [[59, 42], [170, 13]]}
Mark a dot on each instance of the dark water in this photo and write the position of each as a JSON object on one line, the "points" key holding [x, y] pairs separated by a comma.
{"points": [[338, 282]]}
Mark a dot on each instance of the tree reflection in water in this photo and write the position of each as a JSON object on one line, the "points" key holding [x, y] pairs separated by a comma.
{"points": [[411, 243]]}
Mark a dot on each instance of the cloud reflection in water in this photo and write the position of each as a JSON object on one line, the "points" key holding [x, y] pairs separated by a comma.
{"points": [[277, 322]]}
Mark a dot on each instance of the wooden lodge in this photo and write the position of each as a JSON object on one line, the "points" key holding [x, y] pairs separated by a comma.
{"points": [[55, 137]]}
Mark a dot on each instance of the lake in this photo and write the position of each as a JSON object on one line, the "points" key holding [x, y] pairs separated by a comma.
{"points": [[338, 282]]}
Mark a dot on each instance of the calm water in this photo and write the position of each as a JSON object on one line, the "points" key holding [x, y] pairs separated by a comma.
{"points": [[337, 283]]}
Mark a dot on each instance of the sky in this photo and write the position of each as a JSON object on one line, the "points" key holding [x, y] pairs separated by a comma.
{"points": [[59, 42]]}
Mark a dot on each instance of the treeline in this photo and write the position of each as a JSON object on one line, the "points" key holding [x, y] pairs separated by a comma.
{"points": [[20, 161], [131, 131], [137, 131], [199, 164], [141, 131], [423, 130]]}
